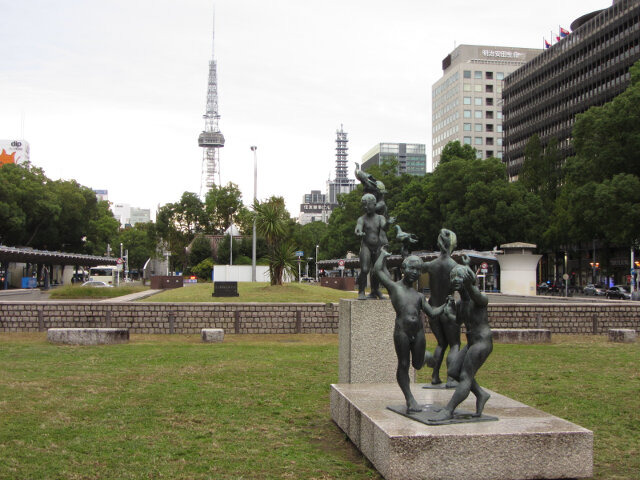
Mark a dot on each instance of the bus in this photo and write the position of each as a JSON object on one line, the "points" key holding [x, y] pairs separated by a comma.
{"points": [[104, 273]]}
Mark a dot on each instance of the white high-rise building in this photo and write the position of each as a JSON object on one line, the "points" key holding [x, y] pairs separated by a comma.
{"points": [[467, 100]]}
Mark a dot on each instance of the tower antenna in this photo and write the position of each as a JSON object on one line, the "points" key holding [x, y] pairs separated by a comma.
{"points": [[211, 139]]}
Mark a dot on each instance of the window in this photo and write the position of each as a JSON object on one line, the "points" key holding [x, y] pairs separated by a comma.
{"points": [[477, 140], [489, 127], [489, 141], [466, 114], [499, 127], [489, 153], [499, 75], [489, 75], [466, 127], [477, 75], [489, 114], [466, 140], [478, 127], [477, 113], [466, 100], [478, 153], [477, 88], [477, 101], [499, 114], [499, 155], [499, 141], [466, 74], [489, 101], [488, 88], [466, 87]]}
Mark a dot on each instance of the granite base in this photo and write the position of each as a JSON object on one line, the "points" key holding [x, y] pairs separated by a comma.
{"points": [[525, 443]]}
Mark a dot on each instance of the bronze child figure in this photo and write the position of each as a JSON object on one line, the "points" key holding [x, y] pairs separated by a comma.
{"points": [[408, 333], [471, 310], [371, 227]]}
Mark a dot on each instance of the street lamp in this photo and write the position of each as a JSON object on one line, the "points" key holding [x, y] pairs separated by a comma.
{"points": [[255, 192], [317, 263]]}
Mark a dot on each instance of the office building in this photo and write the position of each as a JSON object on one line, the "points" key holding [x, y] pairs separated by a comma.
{"points": [[411, 157], [129, 216], [467, 100], [314, 208], [588, 67]]}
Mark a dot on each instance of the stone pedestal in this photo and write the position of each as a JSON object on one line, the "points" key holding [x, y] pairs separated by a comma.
{"points": [[521, 335], [212, 335], [623, 335], [88, 336], [525, 443], [365, 335]]}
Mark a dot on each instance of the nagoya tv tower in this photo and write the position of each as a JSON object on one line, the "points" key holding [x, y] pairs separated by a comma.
{"points": [[211, 139]]}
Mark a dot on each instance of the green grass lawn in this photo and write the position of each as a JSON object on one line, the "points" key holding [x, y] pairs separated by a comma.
{"points": [[78, 292], [257, 407], [255, 292]]}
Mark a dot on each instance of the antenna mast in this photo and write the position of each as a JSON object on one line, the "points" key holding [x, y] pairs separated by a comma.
{"points": [[211, 139]]}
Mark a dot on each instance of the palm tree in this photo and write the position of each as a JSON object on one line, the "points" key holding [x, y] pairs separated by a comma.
{"points": [[271, 223]]}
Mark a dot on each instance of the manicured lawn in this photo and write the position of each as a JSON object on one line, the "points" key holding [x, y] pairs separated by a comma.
{"points": [[73, 292], [257, 407], [255, 292]]}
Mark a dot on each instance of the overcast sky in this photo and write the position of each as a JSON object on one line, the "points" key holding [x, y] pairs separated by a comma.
{"points": [[112, 93]]}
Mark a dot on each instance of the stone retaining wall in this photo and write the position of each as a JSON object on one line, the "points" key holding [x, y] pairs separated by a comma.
{"points": [[573, 318], [171, 317]]}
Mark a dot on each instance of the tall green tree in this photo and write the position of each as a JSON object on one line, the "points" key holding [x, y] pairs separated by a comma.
{"points": [[222, 205]]}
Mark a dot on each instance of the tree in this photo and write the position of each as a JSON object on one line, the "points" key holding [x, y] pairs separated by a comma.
{"points": [[531, 176], [141, 242], [272, 221], [222, 205], [200, 250], [456, 151]]}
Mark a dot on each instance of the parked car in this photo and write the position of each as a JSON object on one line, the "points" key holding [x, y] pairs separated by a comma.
{"points": [[96, 284], [619, 291], [594, 289]]}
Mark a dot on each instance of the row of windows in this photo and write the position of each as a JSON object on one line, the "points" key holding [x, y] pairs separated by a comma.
{"points": [[479, 141], [488, 114], [447, 121], [562, 105], [447, 83], [449, 94], [447, 108], [477, 75], [477, 101], [467, 87], [446, 134]]}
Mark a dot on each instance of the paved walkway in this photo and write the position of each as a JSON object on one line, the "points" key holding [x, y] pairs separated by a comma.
{"points": [[131, 297]]}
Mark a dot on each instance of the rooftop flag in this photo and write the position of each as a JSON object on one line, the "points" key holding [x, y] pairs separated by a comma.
{"points": [[564, 33], [546, 44]]}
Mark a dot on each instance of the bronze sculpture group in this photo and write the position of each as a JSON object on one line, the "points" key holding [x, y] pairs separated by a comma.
{"points": [[445, 315]]}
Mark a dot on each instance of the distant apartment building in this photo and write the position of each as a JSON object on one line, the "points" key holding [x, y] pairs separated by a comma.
{"points": [[589, 67], [129, 216], [314, 208], [102, 195], [467, 100], [411, 157]]}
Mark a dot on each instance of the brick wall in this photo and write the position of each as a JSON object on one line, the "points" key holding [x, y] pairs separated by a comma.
{"points": [[287, 317]]}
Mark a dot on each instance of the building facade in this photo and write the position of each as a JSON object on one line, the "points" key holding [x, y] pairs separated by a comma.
{"points": [[589, 67], [314, 208], [467, 100], [129, 216], [411, 157]]}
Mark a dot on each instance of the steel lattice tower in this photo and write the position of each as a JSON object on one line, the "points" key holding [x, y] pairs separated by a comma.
{"points": [[341, 156], [211, 139]]}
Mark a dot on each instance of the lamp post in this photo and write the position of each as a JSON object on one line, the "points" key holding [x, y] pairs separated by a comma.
{"points": [[317, 263], [255, 192]]}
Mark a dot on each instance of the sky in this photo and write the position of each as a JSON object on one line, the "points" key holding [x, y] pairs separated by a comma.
{"points": [[112, 93]]}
